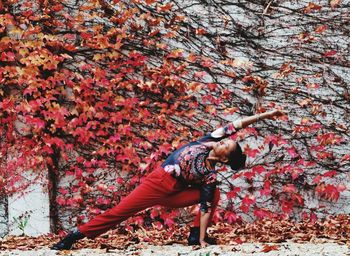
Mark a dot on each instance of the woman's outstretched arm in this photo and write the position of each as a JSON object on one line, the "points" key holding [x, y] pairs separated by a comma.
{"points": [[231, 128], [255, 118]]}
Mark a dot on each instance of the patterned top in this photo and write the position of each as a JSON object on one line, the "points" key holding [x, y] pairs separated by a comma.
{"points": [[187, 163], [190, 166]]}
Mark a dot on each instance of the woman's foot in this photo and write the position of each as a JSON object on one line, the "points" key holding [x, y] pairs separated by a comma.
{"points": [[67, 242], [193, 238]]}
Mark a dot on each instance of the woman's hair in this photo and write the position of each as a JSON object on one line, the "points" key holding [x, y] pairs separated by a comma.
{"points": [[236, 159]]}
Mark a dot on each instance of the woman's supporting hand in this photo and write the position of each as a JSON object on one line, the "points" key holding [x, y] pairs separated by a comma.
{"points": [[203, 243]]}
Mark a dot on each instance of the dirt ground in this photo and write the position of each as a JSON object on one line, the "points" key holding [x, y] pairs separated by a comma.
{"points": [[144, 249], [329, 237]]}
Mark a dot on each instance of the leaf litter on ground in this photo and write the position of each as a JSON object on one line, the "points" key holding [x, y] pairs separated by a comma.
{"points": [[332, 229]]}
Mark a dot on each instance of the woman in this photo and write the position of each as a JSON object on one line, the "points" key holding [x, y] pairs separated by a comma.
{"points": [[186, 177]]}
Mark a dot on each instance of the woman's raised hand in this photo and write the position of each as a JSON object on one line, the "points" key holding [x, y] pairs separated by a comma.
{"points": [[276, 112]]}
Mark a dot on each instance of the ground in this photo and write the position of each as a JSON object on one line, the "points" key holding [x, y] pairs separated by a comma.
{"points": [[266, 237], [144, 249]]}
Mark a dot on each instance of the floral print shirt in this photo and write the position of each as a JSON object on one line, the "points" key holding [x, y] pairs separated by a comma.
{"points": [[187, 163], [190, 165]]}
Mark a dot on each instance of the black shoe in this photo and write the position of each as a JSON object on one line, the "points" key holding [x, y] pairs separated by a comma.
{"points": [[67, 242], [193, 238]]}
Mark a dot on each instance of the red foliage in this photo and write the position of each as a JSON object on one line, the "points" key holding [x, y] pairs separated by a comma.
{"points": [[101, 95]]}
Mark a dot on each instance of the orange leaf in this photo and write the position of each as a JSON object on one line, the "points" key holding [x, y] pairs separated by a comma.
{"points": [[149, 2], [334, 3], [211, 109], [312, 7], [321, 29], [164, 8], [212, 86], [176, 53], [268, 248], [57, 7], [200, 31]]}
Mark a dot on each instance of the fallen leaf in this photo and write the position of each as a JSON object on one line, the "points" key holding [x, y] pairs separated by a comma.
{"points": [[268, 248]]}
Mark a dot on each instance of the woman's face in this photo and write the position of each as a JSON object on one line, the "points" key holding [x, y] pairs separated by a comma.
{"points": [[223, 148]]}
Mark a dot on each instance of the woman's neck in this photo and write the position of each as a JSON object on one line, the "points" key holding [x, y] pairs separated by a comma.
{"points": [[209, 162]]}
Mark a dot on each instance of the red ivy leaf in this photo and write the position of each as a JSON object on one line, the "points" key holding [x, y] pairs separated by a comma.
{"points": [[289, 188], [330, 174], [298, 199], [57, 7], [259, 169], [233, 192], [249, 175], [247, 202], [231, 217], [267, 189], [287, 206], [169, 222], [250, 152], [157, 225], [341, 187], [85, 35], [199, 74], [296, 173], [60, 200], [262, 213], [345, 158], [329, 192], [291, 151], [317, 179], [330, 53]]}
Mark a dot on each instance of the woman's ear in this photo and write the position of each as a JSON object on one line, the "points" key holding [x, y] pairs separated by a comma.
{"points": [[223, 159]]}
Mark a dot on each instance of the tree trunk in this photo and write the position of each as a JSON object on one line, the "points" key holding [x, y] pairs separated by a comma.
{"points": [[53, 184]]}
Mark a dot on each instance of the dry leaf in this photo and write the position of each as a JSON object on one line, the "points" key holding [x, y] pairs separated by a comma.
{"points": [[268, 248]]}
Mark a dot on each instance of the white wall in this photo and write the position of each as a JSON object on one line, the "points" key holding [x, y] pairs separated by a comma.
{"points": [[35, 203]]}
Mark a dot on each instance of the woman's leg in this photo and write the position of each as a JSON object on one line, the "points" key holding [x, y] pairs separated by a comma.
{"points": [[156, 186], [187, 197], [190, 197]]}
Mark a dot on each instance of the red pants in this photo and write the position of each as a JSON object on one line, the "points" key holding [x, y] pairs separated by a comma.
{"points": [[158, 188]]}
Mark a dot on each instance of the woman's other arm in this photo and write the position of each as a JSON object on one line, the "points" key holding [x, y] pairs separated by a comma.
{"points": [[203, 228], [206, 199]]}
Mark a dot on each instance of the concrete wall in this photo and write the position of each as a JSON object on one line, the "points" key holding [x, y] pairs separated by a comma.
{"points": [[31, 204]]}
